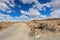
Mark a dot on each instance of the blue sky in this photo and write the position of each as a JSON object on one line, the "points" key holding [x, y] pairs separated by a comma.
{"points": [[28, 9]]}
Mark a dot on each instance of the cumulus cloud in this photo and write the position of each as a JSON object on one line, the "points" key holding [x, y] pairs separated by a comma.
{"points": [[39, 18], [55, 4], [43, 17], [10, 2], [55, 14], [24, 12], [37, 5], [23, 17], [5, 18], [28, 1], [4, 7], [47, 4], [34, 13]]}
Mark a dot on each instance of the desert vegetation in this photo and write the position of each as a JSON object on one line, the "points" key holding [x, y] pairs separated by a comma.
{"points": [[48, 29], [45, 26], [4, 25], [49, 25]]}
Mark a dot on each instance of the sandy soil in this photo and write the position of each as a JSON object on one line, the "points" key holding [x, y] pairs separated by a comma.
{"points": [[19, 31]]}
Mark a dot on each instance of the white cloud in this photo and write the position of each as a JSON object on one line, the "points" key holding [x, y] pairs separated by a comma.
{"points": [[8, 1], [34, 13], [28, 1], [55, 4], [39, 18], [35, 18], [23, 17], [4, 7], [55, 14], [47, 4], [38, 5], [43, 17], [24, 12], [5, 18]]}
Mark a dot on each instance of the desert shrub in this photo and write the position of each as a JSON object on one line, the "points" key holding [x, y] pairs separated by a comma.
{"points": [[0, 27], [58, 23], [51, 29], [47, 27], [41, 26]]}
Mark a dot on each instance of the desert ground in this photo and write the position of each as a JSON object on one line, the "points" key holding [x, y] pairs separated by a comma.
{"points": [[48, 29]]}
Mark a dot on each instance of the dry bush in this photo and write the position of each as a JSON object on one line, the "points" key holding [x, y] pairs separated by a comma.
{"points": [[4, 25], [47, 26]]}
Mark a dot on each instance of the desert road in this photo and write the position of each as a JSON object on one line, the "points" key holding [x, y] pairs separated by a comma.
{"points": [[19, 31]]}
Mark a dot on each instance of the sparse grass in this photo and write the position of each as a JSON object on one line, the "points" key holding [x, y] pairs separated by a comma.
{"points": [[44, 25], [4, 25], [47, 25]]}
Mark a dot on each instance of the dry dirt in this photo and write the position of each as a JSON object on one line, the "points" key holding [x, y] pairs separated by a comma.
{"points": [[20, 31]]}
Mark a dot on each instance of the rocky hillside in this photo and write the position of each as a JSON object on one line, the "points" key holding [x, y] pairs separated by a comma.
{"points": [[47, 29], [46, 25]]}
